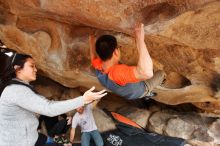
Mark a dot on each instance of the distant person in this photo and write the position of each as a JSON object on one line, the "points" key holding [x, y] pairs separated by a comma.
{"points": [[56, 127], [84, 118]]}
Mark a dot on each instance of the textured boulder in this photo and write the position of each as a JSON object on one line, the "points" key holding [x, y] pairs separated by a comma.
{"points": [[183, 38]]}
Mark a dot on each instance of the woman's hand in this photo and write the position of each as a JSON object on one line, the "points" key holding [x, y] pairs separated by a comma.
{"points": [[90, 96]]}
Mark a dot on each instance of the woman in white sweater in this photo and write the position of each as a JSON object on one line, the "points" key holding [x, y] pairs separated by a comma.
{"points": [[19, 103]]}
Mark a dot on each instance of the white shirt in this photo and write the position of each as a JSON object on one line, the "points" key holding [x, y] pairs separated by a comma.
{"points": [[85, 120]]}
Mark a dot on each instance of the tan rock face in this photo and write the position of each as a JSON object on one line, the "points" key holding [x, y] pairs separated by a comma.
{"points": [[183, 38]]}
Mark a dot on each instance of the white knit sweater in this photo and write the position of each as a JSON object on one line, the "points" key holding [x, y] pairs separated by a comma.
{"points": [[18, 105]]}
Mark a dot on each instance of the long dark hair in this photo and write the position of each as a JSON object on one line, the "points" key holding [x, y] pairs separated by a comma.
{"points": [[7, 71]]}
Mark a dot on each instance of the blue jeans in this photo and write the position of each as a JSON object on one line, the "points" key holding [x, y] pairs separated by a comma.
{"points": [[86, 136]]}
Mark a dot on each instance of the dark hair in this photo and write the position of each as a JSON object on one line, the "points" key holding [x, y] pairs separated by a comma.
{"points": [[105, 46], [7, 71]]}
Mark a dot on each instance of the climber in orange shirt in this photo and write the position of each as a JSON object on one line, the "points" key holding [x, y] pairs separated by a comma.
{"points": [[130, 82]]}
